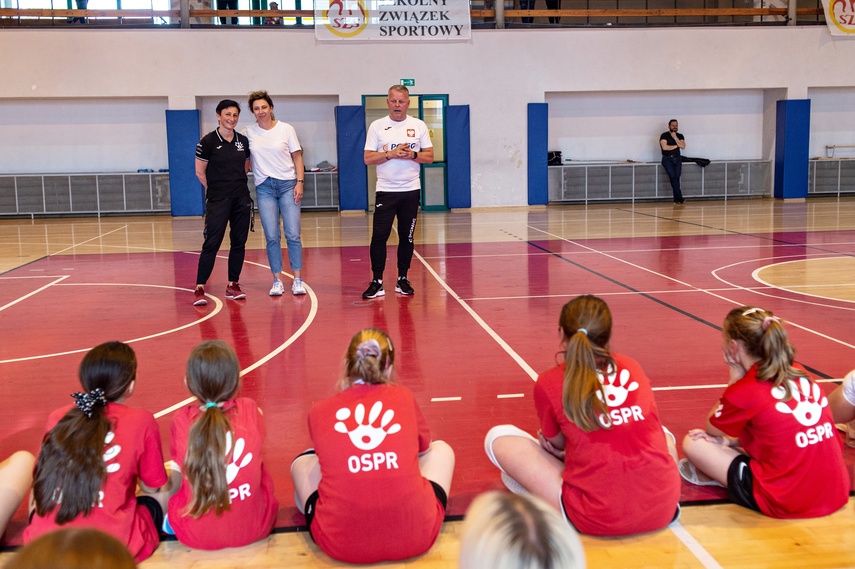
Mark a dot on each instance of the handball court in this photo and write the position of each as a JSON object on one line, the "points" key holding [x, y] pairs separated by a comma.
{"points": [[489, 285]]}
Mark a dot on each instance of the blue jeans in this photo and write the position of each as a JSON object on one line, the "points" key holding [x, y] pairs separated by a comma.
{"points": [[275, 198], [674, 168]]}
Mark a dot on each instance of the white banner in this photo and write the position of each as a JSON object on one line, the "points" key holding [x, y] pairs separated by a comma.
{"points": [[401, 20], [840, 17]]}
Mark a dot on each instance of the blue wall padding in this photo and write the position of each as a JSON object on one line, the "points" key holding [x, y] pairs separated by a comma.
{"points": [[457, 156], [792, 138], [352, 171], [182, 135], [538, 135]]}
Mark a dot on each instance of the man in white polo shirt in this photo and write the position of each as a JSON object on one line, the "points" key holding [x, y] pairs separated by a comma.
{"points": [[397, 145]]}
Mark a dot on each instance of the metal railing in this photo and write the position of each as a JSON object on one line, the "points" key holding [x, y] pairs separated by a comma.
{"points": [[45, 195], [200, 13], [647, 181]]}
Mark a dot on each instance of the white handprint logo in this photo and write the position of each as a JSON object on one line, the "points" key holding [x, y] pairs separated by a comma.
{"points": [[233, 467], [365, 436], [616, 392], [809, 401], [111, 452]]}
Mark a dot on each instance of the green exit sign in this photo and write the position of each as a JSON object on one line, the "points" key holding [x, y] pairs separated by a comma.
{"points": [[408, 82]]}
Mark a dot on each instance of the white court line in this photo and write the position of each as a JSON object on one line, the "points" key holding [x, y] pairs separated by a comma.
{"points": [[509, 395], [36, 291], [218, 308], [252, 367], [510, 351], [704, 556], [441, 399], [70, 247], [710, 291]]}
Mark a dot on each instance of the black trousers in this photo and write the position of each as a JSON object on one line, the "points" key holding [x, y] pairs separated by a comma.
{"points": [[236, 213], [387, 206], [227, 5]]}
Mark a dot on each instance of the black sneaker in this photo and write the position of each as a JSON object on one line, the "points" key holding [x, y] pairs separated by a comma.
{"points": [[403, 286], [375, 289]]}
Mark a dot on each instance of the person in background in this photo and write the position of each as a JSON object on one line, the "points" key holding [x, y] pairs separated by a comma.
{"points": [[511, 531], [671, 142], [278, 171], [222, 163], [272, 21]]}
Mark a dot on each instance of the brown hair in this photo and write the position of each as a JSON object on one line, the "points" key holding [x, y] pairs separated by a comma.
{"points": [[73, 548], [764, 337], [261, 96], [213, 376], [70, 469], [587, 326]]}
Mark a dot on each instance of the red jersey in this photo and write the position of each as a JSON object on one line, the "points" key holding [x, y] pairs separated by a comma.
{"points": [[132, 452], [796, 452], [373, 505], [621, 480], [253, 505]]}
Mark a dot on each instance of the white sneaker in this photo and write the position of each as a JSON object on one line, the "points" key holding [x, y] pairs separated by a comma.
{"points": [[278, 288], [297, 287]]}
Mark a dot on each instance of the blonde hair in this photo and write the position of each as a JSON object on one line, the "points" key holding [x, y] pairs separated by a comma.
{"points": [[73, 548], [369, 357], [510, 531], [586, 323], [213, 376], [763, 335]]}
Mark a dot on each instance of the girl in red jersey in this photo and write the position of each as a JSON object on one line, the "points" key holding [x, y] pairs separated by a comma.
{"points": [[770, 439], [602, 456], [226, 497], [97, 454], [375, 487]]}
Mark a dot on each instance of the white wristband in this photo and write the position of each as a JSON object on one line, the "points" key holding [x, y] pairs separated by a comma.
{"points": [[849, 387]]}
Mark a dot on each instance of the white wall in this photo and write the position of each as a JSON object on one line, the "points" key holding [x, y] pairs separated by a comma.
{"points": [[832, 120], [312, 117], [714, 80]]}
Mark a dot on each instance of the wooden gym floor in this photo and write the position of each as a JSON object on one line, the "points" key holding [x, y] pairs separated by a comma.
{"points": [[490, 284]]}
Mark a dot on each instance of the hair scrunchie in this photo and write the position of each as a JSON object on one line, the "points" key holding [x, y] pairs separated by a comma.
{"points": [[86, 402], [368, 348], [768, 320], [582, 330]]}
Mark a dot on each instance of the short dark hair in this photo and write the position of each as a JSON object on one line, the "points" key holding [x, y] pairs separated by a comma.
{"points": [[226, 103]]}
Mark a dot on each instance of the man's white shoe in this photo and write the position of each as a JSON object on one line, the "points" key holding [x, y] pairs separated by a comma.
{"points": [[278, 288]]}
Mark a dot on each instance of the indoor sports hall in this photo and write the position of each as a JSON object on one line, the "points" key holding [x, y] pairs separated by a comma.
{"points": [[547, 184], [483, 322]]}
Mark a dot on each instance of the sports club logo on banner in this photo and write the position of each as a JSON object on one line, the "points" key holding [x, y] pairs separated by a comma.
{"points": [[384, 20], [840, 16]]}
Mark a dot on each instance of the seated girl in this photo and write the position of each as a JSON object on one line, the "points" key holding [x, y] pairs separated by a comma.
{"points": [[602, 456], [770, 439], [375, 487]]}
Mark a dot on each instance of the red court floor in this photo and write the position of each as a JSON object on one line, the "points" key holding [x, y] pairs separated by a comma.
{"points": [[483, 322]]}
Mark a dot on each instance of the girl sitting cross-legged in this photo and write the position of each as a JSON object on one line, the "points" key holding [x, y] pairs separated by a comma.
{"points": [[770, 439], [602, 456]]}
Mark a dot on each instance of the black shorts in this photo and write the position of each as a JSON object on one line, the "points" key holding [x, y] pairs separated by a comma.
{"points": [[740, 483], [153, 506], [313, 499]]}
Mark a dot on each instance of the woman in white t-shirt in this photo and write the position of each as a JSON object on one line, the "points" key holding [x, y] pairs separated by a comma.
{"points": [[277, 167]]}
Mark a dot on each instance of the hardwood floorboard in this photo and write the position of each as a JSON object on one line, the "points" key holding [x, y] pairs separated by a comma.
{"points": [[721, 535]]}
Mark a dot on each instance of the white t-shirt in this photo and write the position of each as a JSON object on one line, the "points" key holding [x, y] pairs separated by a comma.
{"points": [[385, 134], [271, 151], [849, 387]]}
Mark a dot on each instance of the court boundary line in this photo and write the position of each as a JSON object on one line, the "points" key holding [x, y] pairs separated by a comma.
{"points": [[667, 278]]}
